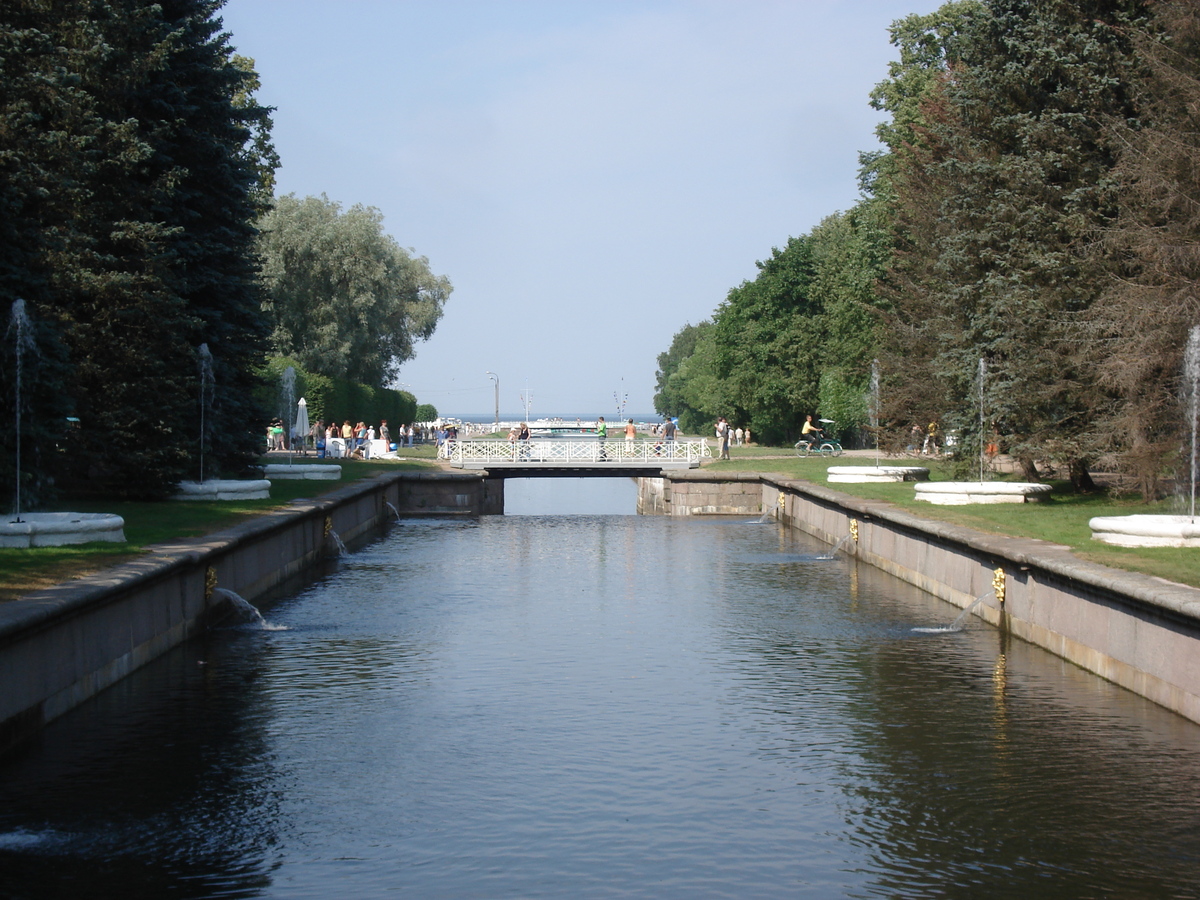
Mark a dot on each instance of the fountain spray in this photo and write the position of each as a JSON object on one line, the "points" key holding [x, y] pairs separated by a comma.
{"points": [[874, 411], [207, 389], [1191, 387], [18, 326], [982, 436], [288, 389]]}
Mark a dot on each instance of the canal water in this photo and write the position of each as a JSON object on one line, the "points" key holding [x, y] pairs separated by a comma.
{"points": [[605, 705]]}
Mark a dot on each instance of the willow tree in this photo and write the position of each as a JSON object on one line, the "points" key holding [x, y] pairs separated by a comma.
{"points": [[342, 296]]}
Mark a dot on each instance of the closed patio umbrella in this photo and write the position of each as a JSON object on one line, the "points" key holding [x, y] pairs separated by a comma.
{"points": [[300, 429]]}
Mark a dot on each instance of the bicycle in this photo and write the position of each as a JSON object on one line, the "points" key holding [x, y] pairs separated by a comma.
{"points": [[823, 446]]}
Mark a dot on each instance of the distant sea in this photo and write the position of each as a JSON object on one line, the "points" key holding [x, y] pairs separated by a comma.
{"points": [[519, 416]]}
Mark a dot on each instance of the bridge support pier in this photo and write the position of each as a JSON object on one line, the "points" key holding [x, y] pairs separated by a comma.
{"points": [[696, 493]]}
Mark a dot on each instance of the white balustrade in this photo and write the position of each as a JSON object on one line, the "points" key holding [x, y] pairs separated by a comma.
{"points": [[615, 453]]}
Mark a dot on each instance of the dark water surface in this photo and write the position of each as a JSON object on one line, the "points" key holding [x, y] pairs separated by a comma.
{"points": [[612, 706]]}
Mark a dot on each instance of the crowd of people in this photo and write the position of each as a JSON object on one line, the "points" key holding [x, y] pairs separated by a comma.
{"points": [[361, 440], [357, 440]]}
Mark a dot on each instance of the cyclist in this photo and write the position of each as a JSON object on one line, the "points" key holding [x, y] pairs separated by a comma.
{"points": [[811, 433]]}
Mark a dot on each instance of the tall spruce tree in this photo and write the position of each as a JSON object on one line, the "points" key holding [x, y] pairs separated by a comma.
{"points": [[904, 200], [45, 126], [217, 146], [134, 219], [1009, 193], [1141, 323]]}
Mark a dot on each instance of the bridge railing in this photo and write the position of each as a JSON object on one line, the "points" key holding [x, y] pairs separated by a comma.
{"points": [[591, 452]]}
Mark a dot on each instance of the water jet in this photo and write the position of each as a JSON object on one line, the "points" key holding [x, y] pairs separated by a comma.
{"points": [[838, 546], [215, 488], [54, 529], [877, 472], [1157, 530], [961, 493], [956, 625]]}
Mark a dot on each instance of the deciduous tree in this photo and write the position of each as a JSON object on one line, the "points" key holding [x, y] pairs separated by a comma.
{"points": [[342, 296], [668, 393]]}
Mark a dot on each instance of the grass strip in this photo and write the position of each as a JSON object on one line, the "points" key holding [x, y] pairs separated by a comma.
{"points": [[1061, 520], [150, 523]]}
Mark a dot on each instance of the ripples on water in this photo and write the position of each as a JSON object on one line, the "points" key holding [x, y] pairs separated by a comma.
{"points": [[605, 706]]}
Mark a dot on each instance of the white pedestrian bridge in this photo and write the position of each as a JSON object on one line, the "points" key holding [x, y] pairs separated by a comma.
{"points": [[576, 456]]}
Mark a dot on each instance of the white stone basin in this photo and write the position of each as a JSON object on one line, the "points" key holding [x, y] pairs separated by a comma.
{"points": [[217, 489], [1146, 531], [310, 472], [858, 474], [58, 529], [959, 493]]}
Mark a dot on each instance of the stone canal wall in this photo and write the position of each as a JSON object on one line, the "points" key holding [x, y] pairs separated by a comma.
{"points": [[693, 492], [62, 645], [1135, 630]]}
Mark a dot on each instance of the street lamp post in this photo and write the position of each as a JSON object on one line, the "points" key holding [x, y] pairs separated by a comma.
{"points": [[496, 378]]}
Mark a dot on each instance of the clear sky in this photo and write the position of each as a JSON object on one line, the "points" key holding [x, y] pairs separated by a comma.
{"points": [[591, 175]]}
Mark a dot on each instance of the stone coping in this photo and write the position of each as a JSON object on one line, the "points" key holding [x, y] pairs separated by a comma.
{"points": [[959, 493], [36, 609], [707, 475], [60, 528], [1146, 530], [302, 472], [1055, 559], [861, 474], [219, 489]]}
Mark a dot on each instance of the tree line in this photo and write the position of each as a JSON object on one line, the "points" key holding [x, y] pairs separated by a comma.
{"points": [[1023, 253], [138, 223]]}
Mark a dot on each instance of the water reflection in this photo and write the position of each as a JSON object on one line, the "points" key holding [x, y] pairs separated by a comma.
{"points": [[595, 704], [163, 783], [570, 496]]}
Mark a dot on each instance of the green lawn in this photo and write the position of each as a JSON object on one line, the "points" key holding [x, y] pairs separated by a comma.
{"points": [[1062, 520], [146, 524]]}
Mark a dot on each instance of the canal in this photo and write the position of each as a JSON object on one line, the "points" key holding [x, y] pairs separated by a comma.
{"points": [[571, 700]]}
